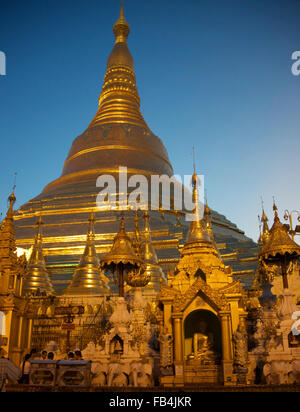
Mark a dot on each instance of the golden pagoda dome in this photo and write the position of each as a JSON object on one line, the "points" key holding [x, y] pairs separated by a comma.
{"points": [[118, 134]]}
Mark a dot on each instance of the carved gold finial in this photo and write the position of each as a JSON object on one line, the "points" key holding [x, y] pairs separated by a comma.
{"points": [[121, 28], [265, 235]]}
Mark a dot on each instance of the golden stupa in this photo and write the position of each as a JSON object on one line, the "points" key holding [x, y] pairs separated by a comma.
{"points": [[118, 136]]}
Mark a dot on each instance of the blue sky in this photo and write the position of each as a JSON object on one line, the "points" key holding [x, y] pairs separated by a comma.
{"points": [[214, 74]]}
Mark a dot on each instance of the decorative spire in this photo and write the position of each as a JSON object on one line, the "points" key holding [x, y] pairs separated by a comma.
{"points": [[280, 248], [265, 228], [137, 235], [121, 28], [280, 242], [208, 220], [37, 277], [275, 212], [87, 277], [12, 200], [148, 251], [8, 256], [198, 230], [152, 276]]}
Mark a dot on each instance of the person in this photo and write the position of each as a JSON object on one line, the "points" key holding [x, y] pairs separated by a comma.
{"points": [[25, 367], [78, 355], [33, 353], [44, 355], [70, 356], [8, 371], [50, 356]]}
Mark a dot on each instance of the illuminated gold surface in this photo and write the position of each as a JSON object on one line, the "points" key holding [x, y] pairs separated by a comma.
{"points": [[198, 230], [118, 147], [279, 242], [122, 250], [149, 257], [87, 277], [37, 276]]}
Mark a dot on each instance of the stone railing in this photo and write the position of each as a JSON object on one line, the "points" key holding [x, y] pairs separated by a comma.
{"points": [[60, 373]]}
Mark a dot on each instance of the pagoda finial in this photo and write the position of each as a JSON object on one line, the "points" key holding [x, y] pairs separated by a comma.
{"points": [[12, 199], [122, 224], [121, 28], [275, 210], [198, 230]]}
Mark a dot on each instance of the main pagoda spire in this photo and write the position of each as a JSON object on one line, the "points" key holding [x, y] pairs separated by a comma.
{"points": [[119, 101]]}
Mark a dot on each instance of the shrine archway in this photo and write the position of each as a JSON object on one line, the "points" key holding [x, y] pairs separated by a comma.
{"points": [[197, 325]]}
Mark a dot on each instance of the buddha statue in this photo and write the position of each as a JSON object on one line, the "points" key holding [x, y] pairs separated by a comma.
{"points": [[203, 345]]}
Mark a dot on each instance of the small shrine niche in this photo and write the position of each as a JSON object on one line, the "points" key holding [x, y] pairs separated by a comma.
{"points": [[116, 346], [202, 337]]}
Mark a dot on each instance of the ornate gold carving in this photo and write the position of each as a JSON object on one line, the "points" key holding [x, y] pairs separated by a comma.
{"points": [[216, 298]]}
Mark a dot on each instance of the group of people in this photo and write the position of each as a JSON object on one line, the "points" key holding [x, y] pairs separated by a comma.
{"points": [[44, 356], [10, 372], [75, 356], [26, 365]]}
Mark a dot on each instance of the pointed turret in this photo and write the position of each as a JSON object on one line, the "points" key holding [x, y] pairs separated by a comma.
{"points": [[137, 235], [149, 256], [87, 278], [280, 248], [279, 243], [208, 220], [37, 278], [198, 230], [265, 228], [8, 256], [200, 253]]}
